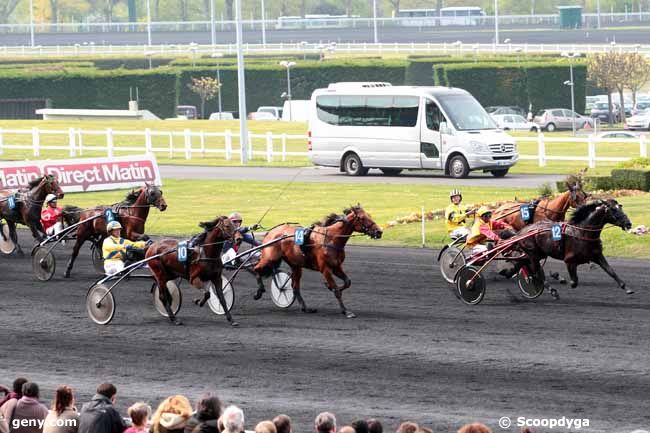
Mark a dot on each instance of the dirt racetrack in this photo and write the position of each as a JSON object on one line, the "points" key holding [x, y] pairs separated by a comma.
{"points": [[414, 352]]}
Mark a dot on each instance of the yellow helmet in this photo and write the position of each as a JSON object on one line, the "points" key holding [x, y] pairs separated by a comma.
{"points": [[113, 225], [483, 210]]}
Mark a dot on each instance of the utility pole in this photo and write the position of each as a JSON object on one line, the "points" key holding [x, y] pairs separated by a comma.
{"points": [[241, 83]]}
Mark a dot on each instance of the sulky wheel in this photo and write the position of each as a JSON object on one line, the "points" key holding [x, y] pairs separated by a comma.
{"points": [[177, 298], [451, 261], [470, 284], [43, 263], [228, 294], [100, 304], [6, 246], [98, 260], [531, 286], [281, 290]]}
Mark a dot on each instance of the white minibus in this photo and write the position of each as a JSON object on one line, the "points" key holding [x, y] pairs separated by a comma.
{"points": [[359, 126]]}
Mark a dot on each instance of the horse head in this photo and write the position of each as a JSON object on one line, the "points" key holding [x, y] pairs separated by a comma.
{"points": [[220, 229], [614, 214], [50, 185], [578, 195], [154, 197], [362, 221]]}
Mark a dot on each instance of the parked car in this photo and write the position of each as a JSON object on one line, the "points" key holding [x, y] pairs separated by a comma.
{"points": [[551, 119], [601, 111], [639, 121], [275, 111], [616, 134], [505, 109], [591, 101], [514, 122], [224, 115], [261, 115], [640, 106], [189, 111]]}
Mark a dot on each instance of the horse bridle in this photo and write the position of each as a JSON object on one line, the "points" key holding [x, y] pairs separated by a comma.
{"points": [[365, 229]]}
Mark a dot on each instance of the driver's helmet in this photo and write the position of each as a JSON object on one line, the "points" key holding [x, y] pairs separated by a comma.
{"points": [[113, 225], [235, 217], [484, 210], [49, 198], [454, 193]]}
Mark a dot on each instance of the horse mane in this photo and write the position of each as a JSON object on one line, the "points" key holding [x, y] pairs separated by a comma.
{"points": [[207, 226], [330, 219], [584, 211], [34, 183], [131, 197]]}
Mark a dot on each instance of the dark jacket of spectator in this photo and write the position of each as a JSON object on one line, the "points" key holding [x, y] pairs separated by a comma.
{"points": [[99, 416], [198, 424], [28, 410]]}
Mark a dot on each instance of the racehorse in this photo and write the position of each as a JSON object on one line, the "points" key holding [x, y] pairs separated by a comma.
{"points": [[323, 250], [546, 208], [28, 204], [203, 263], [132, 213], [580, 241]]}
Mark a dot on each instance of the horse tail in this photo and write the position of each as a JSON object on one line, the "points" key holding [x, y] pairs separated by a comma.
{"points": [[71, 214]]}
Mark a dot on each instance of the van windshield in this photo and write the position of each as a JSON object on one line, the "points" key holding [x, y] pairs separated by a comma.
{"points": [[466, 113]]}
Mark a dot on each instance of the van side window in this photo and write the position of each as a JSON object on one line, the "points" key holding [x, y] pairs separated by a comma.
{"points": [[353, 110], [434, 116]]}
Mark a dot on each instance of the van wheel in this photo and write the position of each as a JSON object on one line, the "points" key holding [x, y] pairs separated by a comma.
{"points": [[550, 127], [353, 166], [499, 173], [458, 167], [391, 171]]}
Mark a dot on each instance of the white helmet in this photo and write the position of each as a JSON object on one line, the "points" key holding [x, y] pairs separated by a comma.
{"points": [[455, 192], [49, 198], [113, 225], [235, 216]]}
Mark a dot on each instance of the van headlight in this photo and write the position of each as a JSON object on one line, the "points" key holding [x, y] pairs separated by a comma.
{"points": [[479, 147]]}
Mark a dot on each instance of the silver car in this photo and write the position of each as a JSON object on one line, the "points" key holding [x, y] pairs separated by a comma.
{"points": [[552, 119]]}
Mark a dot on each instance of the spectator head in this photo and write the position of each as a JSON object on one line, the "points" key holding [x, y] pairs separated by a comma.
{"points": [[30, 389], [425, 430], [233, 419], [265, 427], [325, 423], [360, 426], [172, 413], [18, 385], [209, 407], [407, 427], [139, 413], [282, 424], [374, 426], [108, 390], [476, 427], [63, 399], [346, 429]]}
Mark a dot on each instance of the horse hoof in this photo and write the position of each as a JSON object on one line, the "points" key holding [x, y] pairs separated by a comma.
{"points": [[177, 322], [350, 315], [629, 292], [555, 275], [233, 323], [562, 280], [66, 275], [555, 294], [258, 294], [309, 310]]}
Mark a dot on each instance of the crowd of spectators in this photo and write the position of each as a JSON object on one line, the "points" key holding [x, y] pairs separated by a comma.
{"points": [[21, 411]]}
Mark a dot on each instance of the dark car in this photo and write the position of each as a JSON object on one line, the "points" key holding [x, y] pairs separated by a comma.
{"points": [[601, 111], [506, 109]]}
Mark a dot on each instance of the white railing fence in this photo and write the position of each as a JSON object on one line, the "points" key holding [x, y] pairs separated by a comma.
{"points": [[271, 146]]}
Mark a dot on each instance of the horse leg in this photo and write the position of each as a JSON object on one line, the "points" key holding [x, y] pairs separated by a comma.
{"points": [[573, 274], [13, 234], [338, 292], [601, 261], [222, 300], [73, 257], [296, 274], [166, 299]]}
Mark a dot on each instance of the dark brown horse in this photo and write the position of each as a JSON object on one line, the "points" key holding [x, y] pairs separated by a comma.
{"points": [[580, 241], [132, 214], [553, 209], [203, 263], [28, 204], [323, 251]]}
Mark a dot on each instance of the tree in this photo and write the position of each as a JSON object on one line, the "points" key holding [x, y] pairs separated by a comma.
{"points": [[206, 88], [6, 8], [602, 69], [638, 75]]}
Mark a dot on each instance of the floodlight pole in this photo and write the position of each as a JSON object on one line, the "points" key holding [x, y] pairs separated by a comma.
{"points": [[241, 83]]}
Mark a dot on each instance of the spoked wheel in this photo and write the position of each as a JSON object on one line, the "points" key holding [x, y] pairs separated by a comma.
{"points": [[470, 284], [6, 246], [177, 298], [531, 286], [100, 304], [451, 261], [43, 263], [98, 260], [281, 290], [228, 294]]}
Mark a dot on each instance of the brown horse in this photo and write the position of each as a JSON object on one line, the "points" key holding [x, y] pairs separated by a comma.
{"points": [[203, 263], [323, 251], [553, 209], [132, 213], [28, 204]]}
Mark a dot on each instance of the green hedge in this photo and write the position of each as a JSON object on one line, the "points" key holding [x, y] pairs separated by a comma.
{"points": [[631, 179], [604, 183], [540, 84], [83, 88]]}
